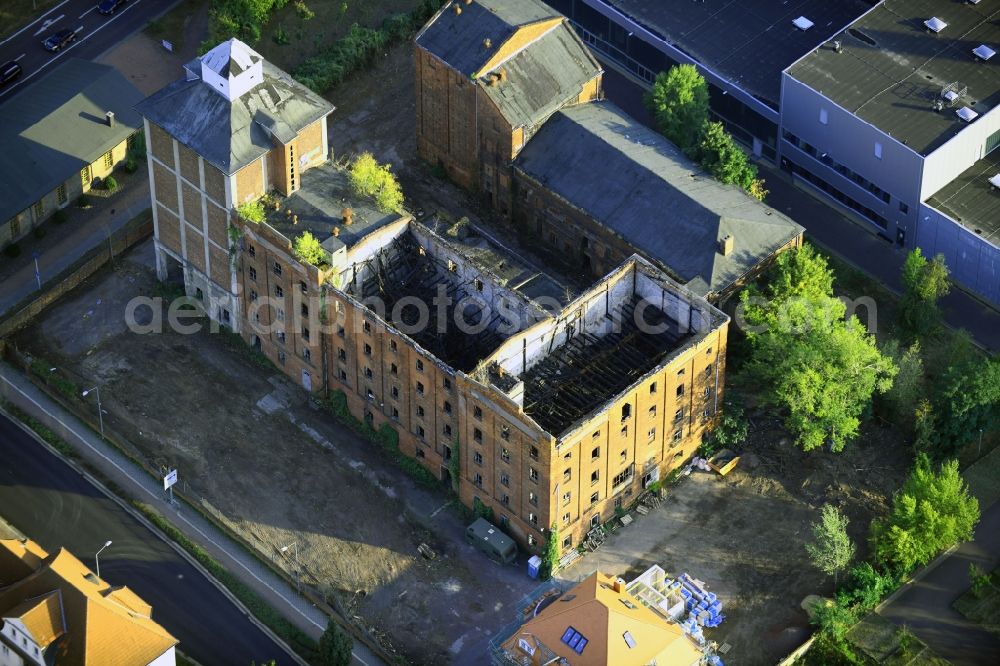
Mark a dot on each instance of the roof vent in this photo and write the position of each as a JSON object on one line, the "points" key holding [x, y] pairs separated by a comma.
{"points": [[629, 641], [802, 23], [838, 45], [726, 244], [967, 114], [109, 117], [487, 43], [91, 577], [983, 52], [457, 10], [935, 25]]}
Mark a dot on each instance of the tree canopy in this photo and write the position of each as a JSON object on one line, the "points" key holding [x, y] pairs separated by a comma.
{"points": [[924, 282], [727, 162], [822, 369], [932, 512], [374, 180], [679, 104], [334, 646], [969, 401], [831, 550], [308, 249]]}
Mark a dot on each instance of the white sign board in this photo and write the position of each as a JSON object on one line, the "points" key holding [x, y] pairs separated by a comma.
{"points": [[170, 479]]}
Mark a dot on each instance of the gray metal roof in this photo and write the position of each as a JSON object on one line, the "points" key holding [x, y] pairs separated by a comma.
{"points": [[640, 186], [971, 201], [891, 68], [749, 42], [543, 77], [230, 135], [459, 39], [57, 126]]}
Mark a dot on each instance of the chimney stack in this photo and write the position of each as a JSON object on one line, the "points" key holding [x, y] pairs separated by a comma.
{"points": [[110, 118], [347, 215], [619, 585], [726, 245]]}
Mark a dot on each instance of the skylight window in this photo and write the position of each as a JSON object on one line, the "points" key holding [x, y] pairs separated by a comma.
{"points": [[802, 23], [967, 114], [935, 24], [983, 52], [629, 641], [574, 639]]}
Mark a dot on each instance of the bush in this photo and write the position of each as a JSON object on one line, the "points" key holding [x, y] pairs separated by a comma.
{"points": [[130, 165], [252, 211], [552, 554], [84, 201], [480, 510], [868, 586], [110, 184], [59, 217], [39, 232], [280, 37], [13, 250], [371, 179], [308, 249], [834, 618], [303, 11]]}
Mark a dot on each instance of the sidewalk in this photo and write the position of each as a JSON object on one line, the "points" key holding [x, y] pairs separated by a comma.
{"points": [[116, 467], [76, 239], [853, 241]]}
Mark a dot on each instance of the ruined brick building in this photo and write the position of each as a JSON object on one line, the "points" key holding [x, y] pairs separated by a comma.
{"points": [[509, 103], [552, 406]]}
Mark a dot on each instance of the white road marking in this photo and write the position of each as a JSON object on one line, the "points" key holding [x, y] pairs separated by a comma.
{"points": [[47, 24], [20, 56], [87, 12], [34, 22]]}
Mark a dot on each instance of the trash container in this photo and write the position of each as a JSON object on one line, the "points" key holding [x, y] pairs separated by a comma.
{"points": [[534, 564]]}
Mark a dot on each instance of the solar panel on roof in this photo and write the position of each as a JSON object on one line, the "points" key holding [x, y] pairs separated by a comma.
{"points": [[984, 52], [967, 114], [574, 639], [802, 23], [935, 24]]}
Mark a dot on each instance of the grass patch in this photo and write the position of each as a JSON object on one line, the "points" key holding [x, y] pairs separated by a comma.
{"points": [[50, 375], [982, 605], [14, 14], [983, 478], [235, 343], [295, 637], [172, 25], [43, 431], [386, 437]]}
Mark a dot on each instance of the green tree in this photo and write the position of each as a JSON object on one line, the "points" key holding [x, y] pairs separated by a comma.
{"points": [[833, 618], [679, 104], [334, 646], [308, 249], [801, 272], [924, 282], [821, 369], [731, 429], [551, 555], [932, 512], [923, 426], [969, 402], [908, 386], [371, 179], [831, 550], [727, 162], [252, 211]]}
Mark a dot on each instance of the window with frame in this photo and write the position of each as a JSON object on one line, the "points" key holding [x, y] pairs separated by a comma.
{"points": [[447, 430], [447, 383], [595, 498], [420, 365], [393, 369], [533, 519], [505, 455], [532, 499], [680, 391], [447, 407], [678, 434], [626, 411], [567, 496], [368, 349], [652, 410], [61, 195], [477, 457], [305, 334], [652, 388], [305, 310], [532, 541], [624, 477], [477, 435], [595, 476], [566, 518], [624, 455], [624, 431], [504, 500], [252, 272], [276, 268], [533, 474], [306, 354], [281, 337], [303, 287], [652, 434], [367, 327], [596, 453], [420, 411], [281, 357], [679, 415], [420, 388], [85, 176], [38, 209], [368, 373], [252, 251], [478, 479], [278, 291], [109, 161], [394, 392], [420, 432], [253, 297], [505, 479], [533, 452], [505, 433], [392, 345], [477, 412]]}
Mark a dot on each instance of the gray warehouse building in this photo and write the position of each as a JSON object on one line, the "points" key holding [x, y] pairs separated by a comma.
{"points": [[896, 118]]}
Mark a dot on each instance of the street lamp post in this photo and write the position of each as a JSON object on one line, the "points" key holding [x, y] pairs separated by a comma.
{"points": [[295, 551], [100, 411], [97, 557]]}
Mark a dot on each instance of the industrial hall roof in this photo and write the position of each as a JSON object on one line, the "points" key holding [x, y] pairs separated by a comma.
{"points": [[637, 184], [231, 130], [973, 198], [749, 42], [96, 624], [910, 67], [57, 126]]}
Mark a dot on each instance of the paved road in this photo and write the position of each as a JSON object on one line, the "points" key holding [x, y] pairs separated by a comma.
{"points": [[47, 500], [926, 606], [96, 33], [852, 240]]}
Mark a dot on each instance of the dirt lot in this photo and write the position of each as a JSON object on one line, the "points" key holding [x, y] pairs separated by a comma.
{"points": [[279, 471]]}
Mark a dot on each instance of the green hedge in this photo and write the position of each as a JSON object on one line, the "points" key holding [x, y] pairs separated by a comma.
{"points": [[359, 47]]}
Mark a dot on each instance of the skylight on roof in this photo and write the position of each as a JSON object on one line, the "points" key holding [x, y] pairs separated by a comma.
{"points": [[802, 23], [574, 639], [935, 24], [983, 52], [967, 114], [629, 641]]}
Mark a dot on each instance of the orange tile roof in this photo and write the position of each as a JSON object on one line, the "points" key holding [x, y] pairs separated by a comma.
{"points": [[603, 615], [105, 625], [41, 616]]}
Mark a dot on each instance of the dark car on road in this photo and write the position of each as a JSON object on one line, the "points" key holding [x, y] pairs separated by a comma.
{"points": [[9, 71], [109, 7], [58, 40]]}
